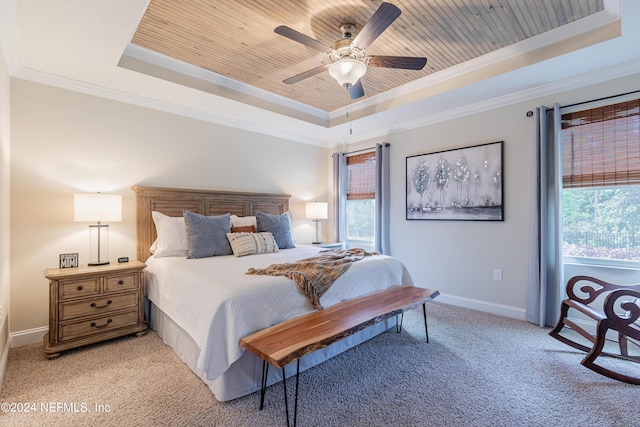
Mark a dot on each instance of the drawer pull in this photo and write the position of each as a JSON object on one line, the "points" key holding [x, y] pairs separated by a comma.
{"points": [[80, 287], [103, 326], [93, 304], [120, 282]]}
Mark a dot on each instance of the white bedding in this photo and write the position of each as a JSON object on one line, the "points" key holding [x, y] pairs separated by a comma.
{"points": [[216, 303]]}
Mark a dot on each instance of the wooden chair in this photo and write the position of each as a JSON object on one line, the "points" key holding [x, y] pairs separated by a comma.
{"points": [[619, 312]]}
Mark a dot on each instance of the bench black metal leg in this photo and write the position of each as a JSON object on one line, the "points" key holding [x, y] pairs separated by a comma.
{"points": [[399, 325], [295, 407], [265, 371], [286, 400], [426, 329]]}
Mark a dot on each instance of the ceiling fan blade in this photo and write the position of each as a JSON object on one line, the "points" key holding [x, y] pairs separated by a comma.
{"points": [[296, 36], [306, 74], [356, 90], [404, 62], [381, 19]]}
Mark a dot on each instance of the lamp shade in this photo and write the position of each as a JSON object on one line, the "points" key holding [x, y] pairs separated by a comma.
{"points": [[97, 207], [347, 71], [316, 210]]}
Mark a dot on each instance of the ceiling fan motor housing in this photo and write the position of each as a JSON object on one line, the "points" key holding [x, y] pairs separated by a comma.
{"points": [[347, 30], [343, 48]]}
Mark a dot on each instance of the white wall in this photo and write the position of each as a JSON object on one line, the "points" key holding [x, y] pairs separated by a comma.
{"points": [[5, 158], [65, 142], [458, 257]]}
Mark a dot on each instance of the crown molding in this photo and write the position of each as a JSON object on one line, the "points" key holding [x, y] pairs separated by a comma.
{"points": [[143, 60], [595, 77]]}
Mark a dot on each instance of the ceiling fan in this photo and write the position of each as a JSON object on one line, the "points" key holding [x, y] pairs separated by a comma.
{"points": [[348, 59]]}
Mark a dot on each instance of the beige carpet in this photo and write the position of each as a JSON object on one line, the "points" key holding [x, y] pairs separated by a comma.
{"points": [[477, 370]]}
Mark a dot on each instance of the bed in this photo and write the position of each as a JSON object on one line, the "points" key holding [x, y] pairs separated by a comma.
{"points": [[202, 306]]}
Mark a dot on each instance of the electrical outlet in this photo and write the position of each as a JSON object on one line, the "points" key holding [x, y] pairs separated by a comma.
{"points": [[497, 275]]}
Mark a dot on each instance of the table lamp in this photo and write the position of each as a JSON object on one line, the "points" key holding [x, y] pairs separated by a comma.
{"points": [[98, 208], [316, 211]]}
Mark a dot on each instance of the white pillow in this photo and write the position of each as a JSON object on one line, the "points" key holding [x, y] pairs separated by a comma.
{"points": [[252, 243], [243, 221], [172, 236]]}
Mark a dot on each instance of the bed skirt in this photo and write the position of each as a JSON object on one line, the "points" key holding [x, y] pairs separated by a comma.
{"points": [[243, 377]]}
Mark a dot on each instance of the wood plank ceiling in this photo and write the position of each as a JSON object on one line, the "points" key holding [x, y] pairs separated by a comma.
{"points": [[235, 38]]}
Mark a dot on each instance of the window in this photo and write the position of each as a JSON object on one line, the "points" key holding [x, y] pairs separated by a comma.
{"points": [[601, 182], [361, 193]]}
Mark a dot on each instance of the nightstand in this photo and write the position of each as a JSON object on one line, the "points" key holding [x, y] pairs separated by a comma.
{"points": [[93, 304]]}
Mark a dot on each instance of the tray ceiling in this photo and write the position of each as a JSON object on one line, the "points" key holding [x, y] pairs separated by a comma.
{"points": [[235, 39], [233, 64]]}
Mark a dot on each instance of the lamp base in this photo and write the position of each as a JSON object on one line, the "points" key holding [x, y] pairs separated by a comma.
{"points": [[318, 237], [99, 244]]}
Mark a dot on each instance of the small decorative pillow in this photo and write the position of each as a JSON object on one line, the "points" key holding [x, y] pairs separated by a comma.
{"points": [[207, 235], [279, 226], [243, 229], [252, 243], [242, 221], [172, 236]]}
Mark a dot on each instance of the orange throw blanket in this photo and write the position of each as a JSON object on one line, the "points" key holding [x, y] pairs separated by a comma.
{"points": [[315, 275]]}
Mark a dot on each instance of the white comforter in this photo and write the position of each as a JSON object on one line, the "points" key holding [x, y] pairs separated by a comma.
{"points": [[216, 303]]}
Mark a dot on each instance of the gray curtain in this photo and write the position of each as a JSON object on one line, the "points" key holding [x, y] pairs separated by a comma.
{"points": [[546, 268], [339, 196], [382, 234]]}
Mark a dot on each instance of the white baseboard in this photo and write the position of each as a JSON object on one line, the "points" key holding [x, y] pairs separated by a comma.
{"points": [[484, 306], [513, 312], [28, 336]]}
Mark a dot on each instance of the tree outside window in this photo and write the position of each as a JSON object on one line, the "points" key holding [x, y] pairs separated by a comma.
{"points": [[601, 182], [360, 209]]}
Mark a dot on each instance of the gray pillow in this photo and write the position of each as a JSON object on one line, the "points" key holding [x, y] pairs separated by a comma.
{"points": [[279, 226], [207, 235]]}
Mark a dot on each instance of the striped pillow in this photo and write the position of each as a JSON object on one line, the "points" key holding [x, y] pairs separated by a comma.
{"points": [[252, 243]]}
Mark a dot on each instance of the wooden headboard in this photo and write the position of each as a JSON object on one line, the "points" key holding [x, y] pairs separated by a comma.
{"points": [[172, 201]]}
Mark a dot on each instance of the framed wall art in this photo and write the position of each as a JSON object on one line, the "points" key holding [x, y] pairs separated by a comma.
{"points": [[458, 184]]}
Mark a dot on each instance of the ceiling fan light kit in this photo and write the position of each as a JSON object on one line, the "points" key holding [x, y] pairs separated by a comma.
{"points": [[347, 71], [348, 60]]}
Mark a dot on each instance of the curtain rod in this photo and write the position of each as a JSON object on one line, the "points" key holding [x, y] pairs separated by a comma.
{"points": [[386, 144], [596, 100]]}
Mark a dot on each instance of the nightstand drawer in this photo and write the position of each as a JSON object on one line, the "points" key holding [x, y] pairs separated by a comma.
{"points": [[120, 283], [98, 325], [96, 306], [79, 288]]}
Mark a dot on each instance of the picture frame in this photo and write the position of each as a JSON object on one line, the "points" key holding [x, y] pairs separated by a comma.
{"points": [[69, 260], [458, 184]]}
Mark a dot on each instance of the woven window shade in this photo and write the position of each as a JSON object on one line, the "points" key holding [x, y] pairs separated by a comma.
{"points": [[601, 146], [361, 176]]}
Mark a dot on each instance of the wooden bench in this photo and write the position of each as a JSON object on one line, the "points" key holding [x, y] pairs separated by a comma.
{"points": [[288, 341]]}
